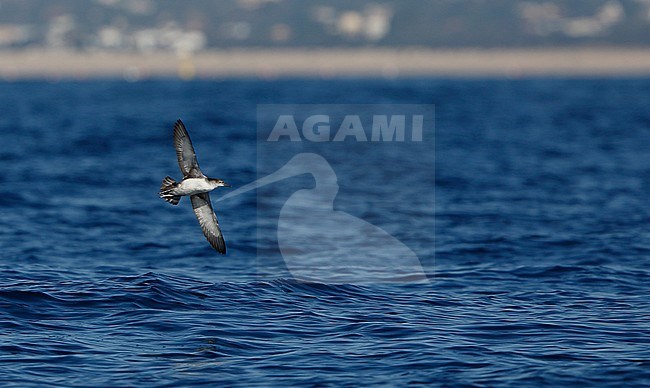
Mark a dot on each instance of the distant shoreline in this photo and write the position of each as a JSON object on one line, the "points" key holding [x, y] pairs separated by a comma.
{"points": [[326, 63]]}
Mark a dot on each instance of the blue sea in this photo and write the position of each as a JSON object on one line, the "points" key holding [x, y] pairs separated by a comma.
{"points": [[527, 207]]}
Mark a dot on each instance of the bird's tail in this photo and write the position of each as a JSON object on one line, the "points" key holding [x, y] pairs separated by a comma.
{"points": [[165, 191]]}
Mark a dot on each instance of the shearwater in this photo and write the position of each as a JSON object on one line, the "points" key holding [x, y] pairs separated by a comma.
{"points": [[196, 185]]}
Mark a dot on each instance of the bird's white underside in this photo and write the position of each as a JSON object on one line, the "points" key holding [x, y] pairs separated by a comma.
{"points": [[191, 186]]}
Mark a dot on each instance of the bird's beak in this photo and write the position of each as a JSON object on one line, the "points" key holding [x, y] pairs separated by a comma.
{"points": [[225, 184]]}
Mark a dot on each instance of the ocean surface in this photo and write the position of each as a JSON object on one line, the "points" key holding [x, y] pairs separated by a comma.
{"points": [[527, 207]]}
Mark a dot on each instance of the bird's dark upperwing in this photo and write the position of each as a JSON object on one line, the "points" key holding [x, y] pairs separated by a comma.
{"points": [[185, 152], [208, 221]]}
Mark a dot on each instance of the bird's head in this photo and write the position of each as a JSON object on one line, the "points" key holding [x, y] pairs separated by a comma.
{"points": [[218, 182]]}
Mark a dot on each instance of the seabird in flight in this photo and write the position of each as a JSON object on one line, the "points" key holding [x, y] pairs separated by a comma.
{"points": [[196, 185]]}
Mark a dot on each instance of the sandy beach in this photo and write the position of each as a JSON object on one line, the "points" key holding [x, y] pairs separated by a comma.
{"points": [[267, 63]]}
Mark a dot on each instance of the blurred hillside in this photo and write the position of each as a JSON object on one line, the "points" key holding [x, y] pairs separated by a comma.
{"points": [[195, 25]]}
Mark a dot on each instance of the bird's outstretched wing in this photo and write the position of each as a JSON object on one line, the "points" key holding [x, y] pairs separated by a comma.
{"points": [[185, 152], [208, 221]]}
